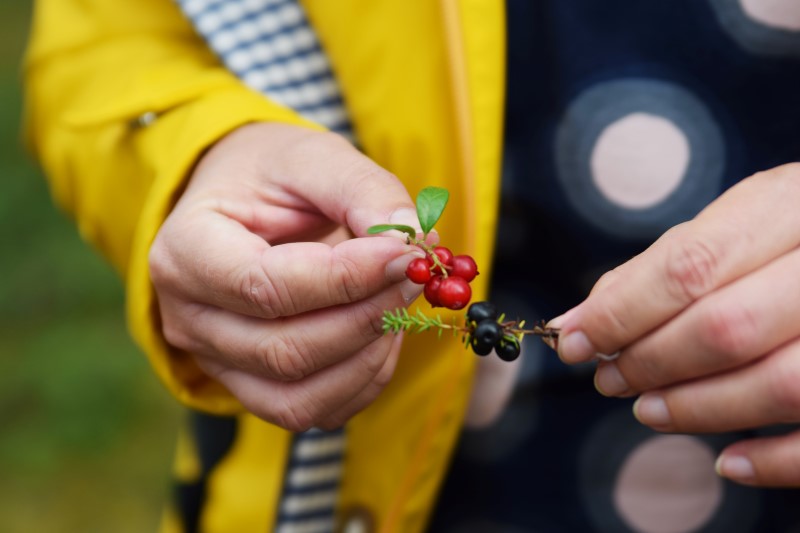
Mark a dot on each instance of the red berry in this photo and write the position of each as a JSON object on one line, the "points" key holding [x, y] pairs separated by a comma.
{"points": [[454, 292], [418, 270], [445, 257], [464, 266], [431, 290]]}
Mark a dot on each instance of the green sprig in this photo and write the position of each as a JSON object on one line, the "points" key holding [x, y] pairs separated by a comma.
{"points": [[418, 322]]}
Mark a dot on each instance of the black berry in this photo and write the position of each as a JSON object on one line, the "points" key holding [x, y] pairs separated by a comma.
{"points": [[488, 332], [481, 311], [507, 350], [480, 348]]}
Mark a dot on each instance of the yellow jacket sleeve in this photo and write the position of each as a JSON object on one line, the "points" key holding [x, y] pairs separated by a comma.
{"points": [[122, 98]]}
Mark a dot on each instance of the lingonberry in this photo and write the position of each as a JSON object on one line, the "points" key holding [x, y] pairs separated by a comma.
{"points": [[454, 292], [445, 257], [418, 270], [507, 350], [481, 310], [431, 290], [464, 266], [488, 332]]}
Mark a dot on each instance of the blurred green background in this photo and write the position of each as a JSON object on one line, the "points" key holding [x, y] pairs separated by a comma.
{"points": [[86, 432]]}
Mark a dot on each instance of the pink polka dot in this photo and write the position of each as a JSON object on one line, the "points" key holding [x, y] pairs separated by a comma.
{"points": [[668, 485], [639, 160], [781, 14]]}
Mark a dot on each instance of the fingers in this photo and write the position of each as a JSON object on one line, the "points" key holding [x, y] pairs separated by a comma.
{"points": [[322, 172], [301, 405], [222, 265], [369, 393], [287, 349], [724, 242], [728, 328], [761, 394], [767, 462]]}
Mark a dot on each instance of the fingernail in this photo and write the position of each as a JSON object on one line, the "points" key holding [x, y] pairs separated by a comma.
{"points": [[406, 216], [651, 410], [609, 381], [575, 348], [410, 290], [396, 268], [736, 467]]}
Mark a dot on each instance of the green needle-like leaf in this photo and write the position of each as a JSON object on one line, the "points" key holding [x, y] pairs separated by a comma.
{"points": [[431, 202]]}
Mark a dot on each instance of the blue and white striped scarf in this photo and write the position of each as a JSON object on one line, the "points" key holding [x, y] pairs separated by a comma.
{"points": [[271, 47]]}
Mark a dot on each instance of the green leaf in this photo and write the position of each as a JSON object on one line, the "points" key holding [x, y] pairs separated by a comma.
{"points": [[431, 202], [380, 228]]}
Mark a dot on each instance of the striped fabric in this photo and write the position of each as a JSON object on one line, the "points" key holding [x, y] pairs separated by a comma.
{"points": [[312, 482], [271, 47]]}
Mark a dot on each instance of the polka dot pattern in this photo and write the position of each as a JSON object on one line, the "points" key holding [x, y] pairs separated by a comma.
{"points": [[667, 484], [639, 160], [612, 184], [762, 27]]}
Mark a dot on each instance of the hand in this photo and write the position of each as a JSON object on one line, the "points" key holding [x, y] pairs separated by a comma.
{"points": [[258, 277], [706, 320]]}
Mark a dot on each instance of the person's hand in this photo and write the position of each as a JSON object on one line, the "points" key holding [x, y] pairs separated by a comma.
{"points": [[258, 277], [706, 320]]}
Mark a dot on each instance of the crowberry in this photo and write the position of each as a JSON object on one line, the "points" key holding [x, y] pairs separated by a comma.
{"points": [[507, 350], [481, 310], [488, 332], [480, 348]]}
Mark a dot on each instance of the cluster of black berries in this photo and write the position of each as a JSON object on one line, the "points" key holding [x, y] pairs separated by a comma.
{"points": [[486, 333]]}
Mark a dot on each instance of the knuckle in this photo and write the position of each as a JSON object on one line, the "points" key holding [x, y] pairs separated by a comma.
{"points": [[369, 315], [605, 280], [283, 358], [691, 269], [265, 295], [295, 418], [373, 360], [382, 378], [643, 373], [364, 178], [348, 279], [730, 330], [160, 263], [783, 380], [176, 336]]}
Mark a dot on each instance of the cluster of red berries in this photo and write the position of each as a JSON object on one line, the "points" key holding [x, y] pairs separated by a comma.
{"points": [[486, 333], [446, 283]]}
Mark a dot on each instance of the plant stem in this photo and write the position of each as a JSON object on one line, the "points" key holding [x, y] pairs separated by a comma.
{"points": [[429, 250]]}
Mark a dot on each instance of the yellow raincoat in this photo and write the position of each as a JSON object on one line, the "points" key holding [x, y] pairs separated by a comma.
{"points": [[123, 98]]}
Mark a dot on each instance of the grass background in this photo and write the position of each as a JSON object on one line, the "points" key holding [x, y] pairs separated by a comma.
{"points": [[87, 432]]}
